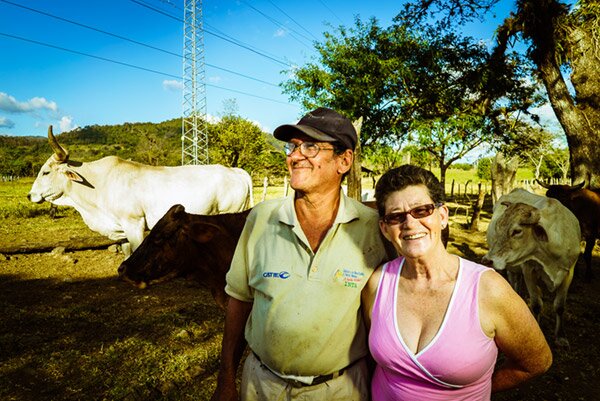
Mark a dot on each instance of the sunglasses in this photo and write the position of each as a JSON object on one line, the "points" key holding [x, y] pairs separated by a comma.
{"points": [[419, 212]]}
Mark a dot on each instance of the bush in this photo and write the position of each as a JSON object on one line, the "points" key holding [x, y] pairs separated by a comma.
{"points": [[484, 168], [462, 166]]}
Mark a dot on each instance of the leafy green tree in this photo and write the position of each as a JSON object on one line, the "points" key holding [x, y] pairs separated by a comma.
{"points": [[381, 158], [413, 79], [237, 142], [563, 43], [451, 139], [484, 168], [152, 149]]}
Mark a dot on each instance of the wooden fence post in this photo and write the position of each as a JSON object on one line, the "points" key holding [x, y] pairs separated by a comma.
{"points": [[477, 210], [265, 185]]}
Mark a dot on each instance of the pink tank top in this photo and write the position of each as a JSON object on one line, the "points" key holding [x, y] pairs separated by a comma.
{"points": [[458, 362]]}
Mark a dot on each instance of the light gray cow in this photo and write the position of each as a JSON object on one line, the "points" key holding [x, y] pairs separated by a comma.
{"points": [[121, 199], [540, 238]]}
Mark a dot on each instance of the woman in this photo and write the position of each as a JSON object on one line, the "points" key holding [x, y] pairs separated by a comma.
{"points": [[437, 321]]}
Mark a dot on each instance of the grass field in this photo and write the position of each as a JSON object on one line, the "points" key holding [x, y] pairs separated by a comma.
{"points": [[72, 331]]}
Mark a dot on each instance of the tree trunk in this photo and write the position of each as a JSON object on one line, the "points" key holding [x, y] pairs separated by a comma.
{"points": [[503, 175], [579, 117], [355, 174], [443, 168]]}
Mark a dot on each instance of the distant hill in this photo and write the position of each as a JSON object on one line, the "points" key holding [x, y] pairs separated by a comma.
{"points": [[148, 143], [23, 156]]}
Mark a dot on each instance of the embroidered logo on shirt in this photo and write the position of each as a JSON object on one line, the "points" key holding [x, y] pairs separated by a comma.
{"points": [[282, 275], [348, 278]]}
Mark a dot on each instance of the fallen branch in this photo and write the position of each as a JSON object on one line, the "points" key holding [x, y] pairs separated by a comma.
{"points": [[71, 244]]}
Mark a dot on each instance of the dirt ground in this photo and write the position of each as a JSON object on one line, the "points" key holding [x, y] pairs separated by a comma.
{"points": [[74, 302]]}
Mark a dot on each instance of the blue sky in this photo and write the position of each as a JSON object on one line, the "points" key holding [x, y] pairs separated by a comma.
{"points": [[62, 73]]}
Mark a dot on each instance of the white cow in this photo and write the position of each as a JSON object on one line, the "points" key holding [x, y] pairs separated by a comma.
{"points": [[121, 199], [540, 238]]}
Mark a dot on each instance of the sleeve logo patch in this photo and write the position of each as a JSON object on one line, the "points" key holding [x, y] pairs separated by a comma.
{"points": [[282, 275]]}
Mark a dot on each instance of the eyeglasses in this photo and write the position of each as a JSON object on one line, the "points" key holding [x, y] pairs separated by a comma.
{"points": [[419, 212], [307, 149]]}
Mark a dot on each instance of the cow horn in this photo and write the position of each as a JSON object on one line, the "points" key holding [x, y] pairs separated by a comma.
{"points": [[578, 186], [542, 184], [60, 154]]}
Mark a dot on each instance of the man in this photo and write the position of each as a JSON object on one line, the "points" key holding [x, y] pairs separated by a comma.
{"points": [[297, 274]]}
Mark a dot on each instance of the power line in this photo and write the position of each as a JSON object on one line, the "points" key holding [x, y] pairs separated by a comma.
{"points": [[134, 66], [331, 11], [88, 55], [131, 40], [274, 21], [235, 42], [293, 20]]}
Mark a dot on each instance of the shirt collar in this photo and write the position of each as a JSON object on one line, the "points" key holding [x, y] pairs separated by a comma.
{"points": [[346, 212]]}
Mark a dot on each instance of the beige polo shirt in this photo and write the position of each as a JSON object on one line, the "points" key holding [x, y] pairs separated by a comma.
{"points": [[305, 317]]}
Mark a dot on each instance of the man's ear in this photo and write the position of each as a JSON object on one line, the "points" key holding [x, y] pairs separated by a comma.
{"points": [[346, 159]]}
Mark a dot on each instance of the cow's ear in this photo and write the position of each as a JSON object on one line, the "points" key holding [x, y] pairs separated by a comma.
{"points": [[540, 233], [202, 232], [73, 175]]}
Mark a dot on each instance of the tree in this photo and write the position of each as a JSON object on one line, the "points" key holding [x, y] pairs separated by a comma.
{"points": [[411, 78], [452, 139], [560, 39], [152, 149], [556, 165], [381, 158], [237, 142]]}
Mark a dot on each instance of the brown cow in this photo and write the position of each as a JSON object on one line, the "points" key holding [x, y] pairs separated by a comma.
{"points": [[585, 205], [182, 244]]}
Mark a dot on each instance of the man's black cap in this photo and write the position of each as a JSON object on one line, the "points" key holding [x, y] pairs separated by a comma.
{"points": [[322, 124]]}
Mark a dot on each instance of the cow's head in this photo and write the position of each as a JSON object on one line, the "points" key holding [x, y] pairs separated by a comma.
{"points": [[563, 193], [181, 244], [54, 176], [517, 234]]}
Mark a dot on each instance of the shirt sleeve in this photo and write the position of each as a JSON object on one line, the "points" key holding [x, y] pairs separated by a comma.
{"points": [[237, 277]]}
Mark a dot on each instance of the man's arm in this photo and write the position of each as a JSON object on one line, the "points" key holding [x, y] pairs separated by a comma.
{"points": [[232, 348]]}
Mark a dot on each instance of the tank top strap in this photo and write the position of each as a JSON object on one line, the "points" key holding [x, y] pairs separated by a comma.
{"points": [[388, 281]]}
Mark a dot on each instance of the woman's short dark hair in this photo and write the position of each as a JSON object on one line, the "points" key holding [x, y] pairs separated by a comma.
{"points": [[404, 176]]}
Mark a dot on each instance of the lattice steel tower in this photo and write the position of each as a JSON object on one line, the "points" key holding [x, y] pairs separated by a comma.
{"points": [[194, 138]]}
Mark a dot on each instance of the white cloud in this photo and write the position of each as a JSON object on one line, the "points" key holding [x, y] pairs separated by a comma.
{"points": [[280, 33], [215, 79], [6, 123], [212, 119], [66, 124], [10, 104], [262, 127], [172, 85]]}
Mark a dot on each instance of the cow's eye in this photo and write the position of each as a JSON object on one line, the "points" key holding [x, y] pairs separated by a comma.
{"points": [[45, 173], [517, 232]]}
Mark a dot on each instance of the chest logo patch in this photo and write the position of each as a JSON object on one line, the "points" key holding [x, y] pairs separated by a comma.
{"points": [[348, 278]]}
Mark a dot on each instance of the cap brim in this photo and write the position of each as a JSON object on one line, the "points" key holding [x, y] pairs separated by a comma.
{"points": [[288, 131]]}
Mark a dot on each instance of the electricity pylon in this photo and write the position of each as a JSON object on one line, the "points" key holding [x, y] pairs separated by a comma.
{"points": [[194, 138]]}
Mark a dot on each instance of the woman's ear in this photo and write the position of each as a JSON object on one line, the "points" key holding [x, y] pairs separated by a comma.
{"points": [[444, 214], [383, 228]]}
